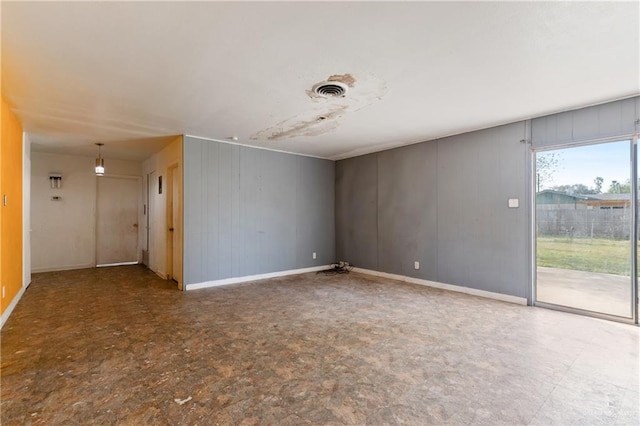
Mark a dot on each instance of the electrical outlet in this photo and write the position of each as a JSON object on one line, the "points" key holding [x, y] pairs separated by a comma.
{"points": [[416, 265], [314, 255]]}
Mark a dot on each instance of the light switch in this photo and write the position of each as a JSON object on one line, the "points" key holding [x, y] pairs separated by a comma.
{"points": [[514, 203]]}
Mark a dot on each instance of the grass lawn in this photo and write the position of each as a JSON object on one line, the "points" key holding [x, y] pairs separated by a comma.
{"points": [[585, 254]]}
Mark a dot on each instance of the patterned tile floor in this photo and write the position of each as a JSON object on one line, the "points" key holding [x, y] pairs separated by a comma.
{"points": [[120, 346]]}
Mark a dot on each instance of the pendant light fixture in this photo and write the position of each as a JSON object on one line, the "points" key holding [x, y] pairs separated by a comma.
{"points": [[99, 162]]}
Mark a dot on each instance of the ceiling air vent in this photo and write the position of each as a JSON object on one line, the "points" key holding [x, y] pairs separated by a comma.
{"points": [[330, 89]]}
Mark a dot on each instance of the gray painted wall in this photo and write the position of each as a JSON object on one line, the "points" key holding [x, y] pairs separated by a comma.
{"points": [[443, 203], [356, 212], [249, 211], [613, 119]]}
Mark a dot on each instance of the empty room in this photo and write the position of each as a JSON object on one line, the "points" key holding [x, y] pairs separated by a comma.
{"points": [[420, 213]]}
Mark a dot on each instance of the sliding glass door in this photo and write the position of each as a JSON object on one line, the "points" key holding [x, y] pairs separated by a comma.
{"points": [[584, 229]]}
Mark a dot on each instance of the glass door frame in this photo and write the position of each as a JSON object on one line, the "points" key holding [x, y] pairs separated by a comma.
{"points": [[634, 229]]}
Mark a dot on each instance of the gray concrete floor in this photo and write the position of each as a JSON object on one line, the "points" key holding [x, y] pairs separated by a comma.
{"points": [[591, 291], [121, 346]]}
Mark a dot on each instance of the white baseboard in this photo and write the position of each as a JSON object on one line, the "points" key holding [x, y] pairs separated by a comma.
{"points": [[12, 305], [443, 286], [237, 280], [62, 268], [105, 265]]}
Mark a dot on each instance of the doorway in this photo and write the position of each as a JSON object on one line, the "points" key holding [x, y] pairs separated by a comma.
{"points": [[174, 228], [117, 220], [584, 226]]}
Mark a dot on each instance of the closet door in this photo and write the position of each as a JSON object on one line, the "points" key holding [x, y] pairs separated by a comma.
{"points": [[117, 221]]}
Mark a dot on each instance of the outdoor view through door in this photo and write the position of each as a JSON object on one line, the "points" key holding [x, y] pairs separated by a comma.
{"points": [[584, 222]]}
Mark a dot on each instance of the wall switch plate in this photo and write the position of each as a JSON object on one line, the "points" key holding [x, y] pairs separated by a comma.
{"points": [[416, 265], [314, 255], [514, 203], [3, 292]]}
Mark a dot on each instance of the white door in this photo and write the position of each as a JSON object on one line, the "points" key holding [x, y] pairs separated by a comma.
{"points": [[117, 221]]}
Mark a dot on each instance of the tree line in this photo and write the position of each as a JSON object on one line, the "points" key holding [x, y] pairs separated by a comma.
{"points": [[547, 165]]}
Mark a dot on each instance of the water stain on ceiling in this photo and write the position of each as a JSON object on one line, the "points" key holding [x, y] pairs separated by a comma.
{"points": [[304, 125], [343, 78], [325, 112]]}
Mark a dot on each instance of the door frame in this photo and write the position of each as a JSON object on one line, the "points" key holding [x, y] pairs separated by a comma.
{"points": [[634, 231], [139, 201], [174, 169]]}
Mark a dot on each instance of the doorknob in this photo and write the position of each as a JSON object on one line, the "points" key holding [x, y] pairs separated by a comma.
{"points": [[135, 225], [171, 229]]}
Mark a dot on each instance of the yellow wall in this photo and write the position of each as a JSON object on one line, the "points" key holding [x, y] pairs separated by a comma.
{"points": [[11, 214]]}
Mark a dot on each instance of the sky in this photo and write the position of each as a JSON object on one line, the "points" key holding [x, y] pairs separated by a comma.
{"points": [[611, 161]]}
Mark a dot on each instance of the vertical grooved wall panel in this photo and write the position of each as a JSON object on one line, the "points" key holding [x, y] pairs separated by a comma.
{"points": [[442, 203], [407, 210], [356, 211], [224, 223], [315, 212], [481, 242], [596, 122], [250, 211], [193, 216]]}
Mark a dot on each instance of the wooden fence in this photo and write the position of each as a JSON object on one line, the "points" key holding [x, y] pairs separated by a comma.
{"points": [[595, 223]]}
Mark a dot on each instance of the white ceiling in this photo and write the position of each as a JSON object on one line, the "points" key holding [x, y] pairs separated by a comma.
{"points": [[77, 73]]}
